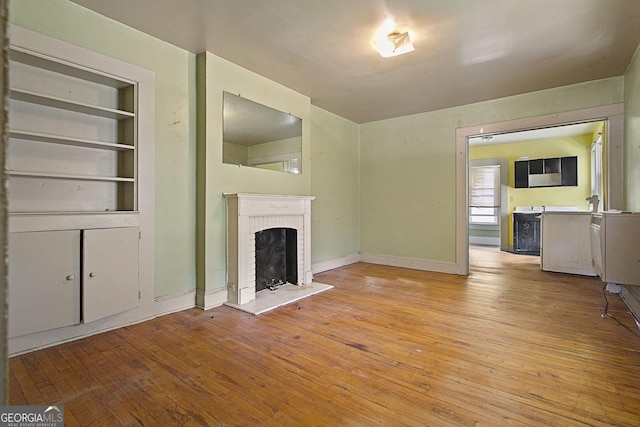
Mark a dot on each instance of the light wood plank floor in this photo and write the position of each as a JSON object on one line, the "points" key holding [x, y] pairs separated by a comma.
{"points": [[508, 345]]}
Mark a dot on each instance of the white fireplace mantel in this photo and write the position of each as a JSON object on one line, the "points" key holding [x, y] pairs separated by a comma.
{"points": [[248, 213]]}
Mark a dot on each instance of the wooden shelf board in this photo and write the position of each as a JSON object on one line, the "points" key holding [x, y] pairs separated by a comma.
{"points": [[34, 59], [68, 176], [65, 104], [78, 142]]}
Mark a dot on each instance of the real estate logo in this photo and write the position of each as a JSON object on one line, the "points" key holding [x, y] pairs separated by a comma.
{"points": [[31, 416]]}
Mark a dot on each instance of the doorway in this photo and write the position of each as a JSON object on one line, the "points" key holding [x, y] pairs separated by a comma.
{"points": [[612, 115]]}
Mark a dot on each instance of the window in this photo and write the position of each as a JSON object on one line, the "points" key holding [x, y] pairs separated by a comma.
{"points": [[484, 195]]}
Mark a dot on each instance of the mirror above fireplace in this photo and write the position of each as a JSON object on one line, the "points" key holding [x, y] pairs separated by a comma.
{"points": [[260, 136]]}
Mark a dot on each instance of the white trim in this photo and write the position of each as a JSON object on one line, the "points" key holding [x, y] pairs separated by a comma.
{"points": [[211, 299], [26, 343], [330, 264], [414, 263], [482, 240], [614, 114], [176, 302], [162, 306]]}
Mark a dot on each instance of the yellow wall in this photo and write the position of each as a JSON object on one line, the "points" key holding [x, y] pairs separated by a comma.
{"points": [[548, 196]]}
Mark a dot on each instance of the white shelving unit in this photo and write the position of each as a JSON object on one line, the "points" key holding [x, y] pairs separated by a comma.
{"points": [[72, 138], [80, 233]]}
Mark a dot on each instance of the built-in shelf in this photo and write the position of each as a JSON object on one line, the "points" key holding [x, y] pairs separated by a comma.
{"points": [[74, 169], [68, 176], [37, 60], [65, 104], [73, 138], [63, 140]]}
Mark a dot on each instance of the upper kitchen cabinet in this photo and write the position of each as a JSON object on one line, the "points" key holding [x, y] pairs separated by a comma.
{"points": [[551, 172]]}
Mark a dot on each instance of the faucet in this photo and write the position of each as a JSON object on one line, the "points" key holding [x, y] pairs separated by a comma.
{"points": [[594, 202]]}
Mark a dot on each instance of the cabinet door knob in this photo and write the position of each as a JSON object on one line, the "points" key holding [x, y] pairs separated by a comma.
{"points": [[92, 274], [70, 277]]}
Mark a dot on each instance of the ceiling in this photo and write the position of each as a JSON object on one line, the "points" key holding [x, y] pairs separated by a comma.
{"points": [[564, 131], [466, 51]]}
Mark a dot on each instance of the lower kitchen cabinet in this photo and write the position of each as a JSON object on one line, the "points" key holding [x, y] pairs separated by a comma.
{"points": [[526, 233], [62, 278]]}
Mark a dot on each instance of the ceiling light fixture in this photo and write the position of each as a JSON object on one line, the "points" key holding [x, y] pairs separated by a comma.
{"points": [[486, 138], [389, 41]]}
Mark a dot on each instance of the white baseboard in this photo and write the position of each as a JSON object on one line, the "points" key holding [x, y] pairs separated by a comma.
{"points": [[487, 241], [39, 340], [415, 263], [330, 264], [172, 303], [211, 299]]}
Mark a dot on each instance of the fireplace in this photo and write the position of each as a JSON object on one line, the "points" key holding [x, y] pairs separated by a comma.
{"points": [[283, 224], [276, 257]]}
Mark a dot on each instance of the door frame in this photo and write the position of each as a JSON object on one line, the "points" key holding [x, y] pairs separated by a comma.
{"points": [[613, 115]]}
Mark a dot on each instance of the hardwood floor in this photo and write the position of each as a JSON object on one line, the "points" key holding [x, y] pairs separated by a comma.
{"points": [[507, 345]]}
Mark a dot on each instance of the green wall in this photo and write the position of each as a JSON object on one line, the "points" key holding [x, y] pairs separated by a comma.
{"points": [[175, 141], [235, 153], [632, 134], [408, 168], [214, 76], [385, 187], [335, 164], [335, 183]]}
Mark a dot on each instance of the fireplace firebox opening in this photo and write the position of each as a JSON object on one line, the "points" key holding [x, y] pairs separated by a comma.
{"points": [[276, 259]]}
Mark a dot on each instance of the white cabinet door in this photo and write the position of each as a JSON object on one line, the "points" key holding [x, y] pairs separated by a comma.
{"points": [[566, 243], [44, 281], [110, 272]]}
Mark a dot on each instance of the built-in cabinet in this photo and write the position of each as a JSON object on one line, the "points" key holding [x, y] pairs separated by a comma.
{"points": [[109, 272], [62, 278], [44, 278], [74, 165]]}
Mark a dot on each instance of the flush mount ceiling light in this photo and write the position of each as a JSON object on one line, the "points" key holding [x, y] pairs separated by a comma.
{"points": [[486, 138], [389, 41]]}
